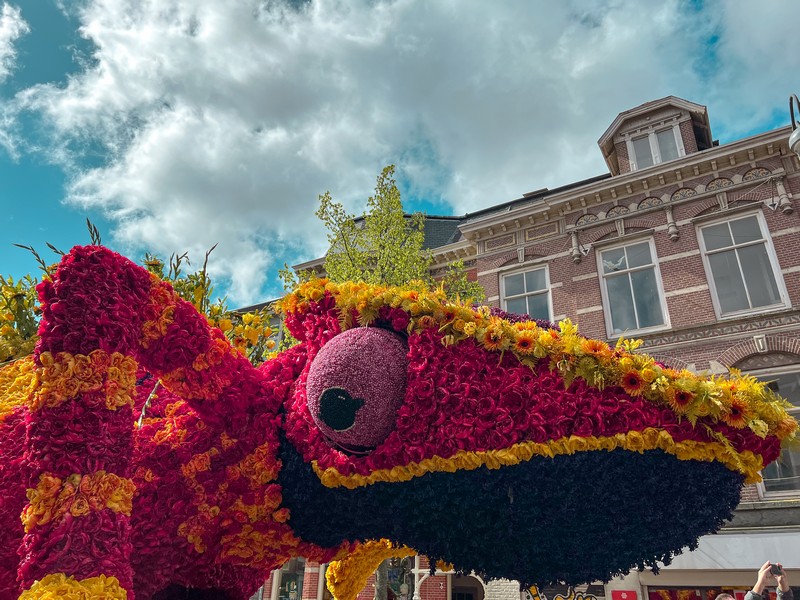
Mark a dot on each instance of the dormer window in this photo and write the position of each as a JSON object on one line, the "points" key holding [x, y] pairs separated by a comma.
{"points": [[655, 147], [654, 133]]}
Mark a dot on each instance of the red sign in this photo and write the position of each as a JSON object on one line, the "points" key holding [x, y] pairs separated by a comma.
{"points": [[624, 595]]}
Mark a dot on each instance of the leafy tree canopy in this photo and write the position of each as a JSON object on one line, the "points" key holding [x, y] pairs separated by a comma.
{"points": [[385, 245]]}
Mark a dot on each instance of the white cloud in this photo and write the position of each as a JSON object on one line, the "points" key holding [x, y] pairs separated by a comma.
{"points": [[755, 65], [12, 26], [223, 121]]}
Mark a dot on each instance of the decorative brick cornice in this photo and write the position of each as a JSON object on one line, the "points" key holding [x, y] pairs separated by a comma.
{"points": [[640, 224], [501, 260], [597, 234], [779, 342], [753, 324], [702, 207]]}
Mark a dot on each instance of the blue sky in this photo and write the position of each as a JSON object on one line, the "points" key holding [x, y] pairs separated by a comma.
{"points": [[176, 125]]}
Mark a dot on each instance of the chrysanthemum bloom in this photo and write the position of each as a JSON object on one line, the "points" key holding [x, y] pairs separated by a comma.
{"points": [[785, 427]]}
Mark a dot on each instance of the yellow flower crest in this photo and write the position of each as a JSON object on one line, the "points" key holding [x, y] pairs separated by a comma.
{"points": [[64, 376], [18, 380], [736, 398], [78, 495], [347, 577], [746, 462], [58, 586]]}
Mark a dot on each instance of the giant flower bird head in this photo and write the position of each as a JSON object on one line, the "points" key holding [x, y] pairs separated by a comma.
{"points": [[514, 449]]}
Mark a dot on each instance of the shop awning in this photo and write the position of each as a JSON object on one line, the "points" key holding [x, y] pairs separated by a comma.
{"points": [[733, 552]]}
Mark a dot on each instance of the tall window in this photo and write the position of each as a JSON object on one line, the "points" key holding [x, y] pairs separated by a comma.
{"points": [[741, 265], [528, 293], [291, 587], [655, 147], [783, 476], [632, 288], [642, 152]]}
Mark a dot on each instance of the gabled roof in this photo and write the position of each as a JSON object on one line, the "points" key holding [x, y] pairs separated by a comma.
{"points": [[694, 109], [697, 112]]}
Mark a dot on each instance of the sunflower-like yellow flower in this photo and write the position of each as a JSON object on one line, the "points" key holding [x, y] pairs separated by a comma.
{"points": [[632, 382], [679, 400], [526, 342], [736, 413], [596, 348], [493, 338]]}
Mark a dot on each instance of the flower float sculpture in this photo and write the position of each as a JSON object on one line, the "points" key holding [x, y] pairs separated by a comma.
{"points": [[402, 422]]}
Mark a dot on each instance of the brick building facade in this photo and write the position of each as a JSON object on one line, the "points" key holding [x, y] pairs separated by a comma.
{"points": [[687, 245]]}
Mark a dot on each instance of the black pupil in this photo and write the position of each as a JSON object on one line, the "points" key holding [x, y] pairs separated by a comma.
{"points": [[337, 408]]}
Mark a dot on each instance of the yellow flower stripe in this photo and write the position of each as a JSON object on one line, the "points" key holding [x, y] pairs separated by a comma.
{"points": [[348, 576], [64, 376], [78, 495], [18, 380], [161, 311], [738, 400], [57, 586], [746, 462]]}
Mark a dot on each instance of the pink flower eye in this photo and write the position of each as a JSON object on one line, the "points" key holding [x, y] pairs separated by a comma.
{"points": [[355, 385]]}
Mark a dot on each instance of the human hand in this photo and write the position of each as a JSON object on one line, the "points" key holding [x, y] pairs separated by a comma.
{"points": [[763, 574], [781, 578]]}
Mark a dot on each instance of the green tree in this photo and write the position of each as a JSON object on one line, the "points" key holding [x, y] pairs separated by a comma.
{"points": [[19, 318], [385, 246]]}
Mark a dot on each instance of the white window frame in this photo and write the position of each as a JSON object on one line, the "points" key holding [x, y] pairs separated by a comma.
{"points": [[655, 150], [766, 374], [773, 261], [529, 268], [604, 291], [295, 566]]}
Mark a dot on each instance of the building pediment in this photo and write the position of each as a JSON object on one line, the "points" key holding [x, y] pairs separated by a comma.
{"points": [[647, 117]]}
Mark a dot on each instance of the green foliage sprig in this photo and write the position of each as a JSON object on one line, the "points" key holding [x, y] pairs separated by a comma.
{"points": [[251, 332], [19, 317]]}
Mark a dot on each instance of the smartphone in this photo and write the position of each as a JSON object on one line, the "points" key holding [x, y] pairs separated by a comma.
{"points": [[775, 570]]}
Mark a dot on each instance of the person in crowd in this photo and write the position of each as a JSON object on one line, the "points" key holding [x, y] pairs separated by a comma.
{"points": [[767, 572]]}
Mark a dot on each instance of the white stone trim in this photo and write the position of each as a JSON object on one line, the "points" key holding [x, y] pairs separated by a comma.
{"points": [[592, 275], [787, 231], [689, 290], [678, 256], [589, 309]]}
